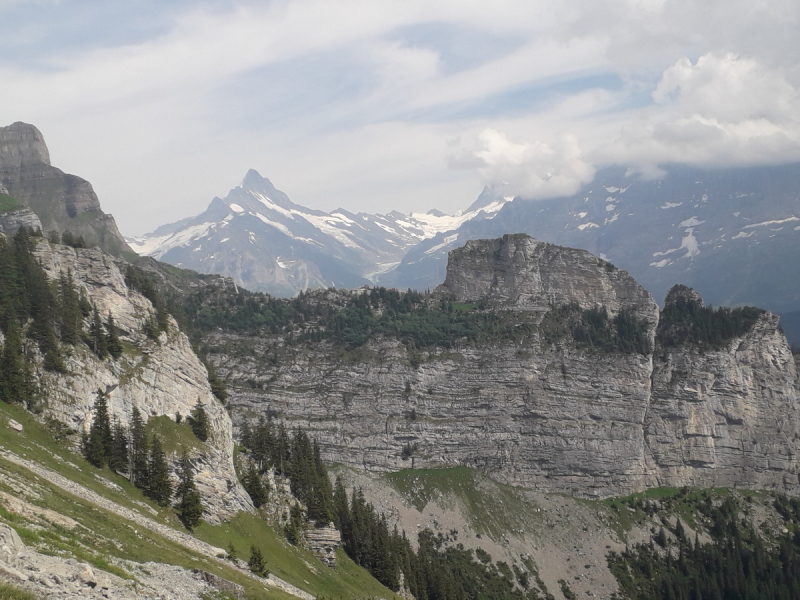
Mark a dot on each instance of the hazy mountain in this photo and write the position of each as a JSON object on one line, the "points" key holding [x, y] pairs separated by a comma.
{"points": [[62, 202], [258, 236], [733, 234]]}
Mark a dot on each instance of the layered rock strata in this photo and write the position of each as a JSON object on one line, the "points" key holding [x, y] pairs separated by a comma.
{"points": [[549, 416], [61, 201], [162, 377]]}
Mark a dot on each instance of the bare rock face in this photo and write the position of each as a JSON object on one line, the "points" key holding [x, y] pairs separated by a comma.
{"points": [[323, 542], [547, 416], [727, 417], [62, 202], [12, 220], [521, 272], [162, 378]]}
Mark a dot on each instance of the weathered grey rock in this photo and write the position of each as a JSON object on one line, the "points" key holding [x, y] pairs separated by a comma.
{"points": [[62, 202], [727, 417], [12, 220], [323, 542], [521, 272], [15, 425], [222, 585], [545, 416], [164, 379]]}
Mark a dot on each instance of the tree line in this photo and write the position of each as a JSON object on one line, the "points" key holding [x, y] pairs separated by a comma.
{"points": [[688, 321], [437, 570], [48, 314], [736, 563], [129, 452]]}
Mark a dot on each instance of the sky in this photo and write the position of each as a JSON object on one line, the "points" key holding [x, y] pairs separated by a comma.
{"points": [[376, 105]]}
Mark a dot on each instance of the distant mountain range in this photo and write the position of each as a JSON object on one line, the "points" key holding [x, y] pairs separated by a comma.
{"points": [[265, 242], [732, 234]]}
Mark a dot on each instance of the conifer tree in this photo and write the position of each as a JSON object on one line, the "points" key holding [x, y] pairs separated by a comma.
{"points": [[199, 422], [100, 443], [190, 507], [70, 318], [97, 337], [257, 564], [16, 384], [113, 343], [255, 487], [160, 486], [139, 451], [118, 461]]}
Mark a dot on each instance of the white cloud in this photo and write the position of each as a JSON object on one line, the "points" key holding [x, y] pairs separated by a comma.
{"points": [[530, 170], [720, 110], [351, 103]]}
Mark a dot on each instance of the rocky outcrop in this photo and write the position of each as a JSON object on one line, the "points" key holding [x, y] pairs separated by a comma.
{"points": [[62, 202], [162, 377], [323, 542], [12, 220], [548, 416], [727, 417], [526, 274]]}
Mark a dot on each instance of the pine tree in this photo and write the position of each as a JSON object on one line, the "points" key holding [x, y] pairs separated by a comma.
{"points": [[254, 486], [218, 387], [100, 443], [139, 451], [16, 381], [199, 422], [112, 339], [118, 462], [69, 310], [160, 486], [190, 507], [257, 564], [97, 337]]}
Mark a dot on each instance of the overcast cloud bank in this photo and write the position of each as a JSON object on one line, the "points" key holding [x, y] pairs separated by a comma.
{"points": [[395, 105]]}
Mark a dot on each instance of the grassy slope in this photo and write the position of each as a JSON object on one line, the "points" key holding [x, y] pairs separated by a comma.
{"points": [[9, 203], [106, 535]]}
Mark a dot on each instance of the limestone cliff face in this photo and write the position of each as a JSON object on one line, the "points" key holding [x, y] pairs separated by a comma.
{"points": [[62, 202], [160, 378], [12, 220], [726, 417], [548, 416], [524, 273]]}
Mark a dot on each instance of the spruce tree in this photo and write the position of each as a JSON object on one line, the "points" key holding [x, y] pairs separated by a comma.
{"points": [[70, 318], [254, 486], [190, 507], [99, 446], [139, 451], [199, 422], [16, 382], [97, 337], [113, 343], [118, 461], [160, 486], [257, 564]]}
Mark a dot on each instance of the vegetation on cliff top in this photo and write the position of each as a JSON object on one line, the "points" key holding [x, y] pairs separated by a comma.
{"points": [[687, 321]]}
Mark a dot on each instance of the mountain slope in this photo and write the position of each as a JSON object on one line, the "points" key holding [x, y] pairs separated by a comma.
{"points": [[265, 242], [62, 202]]}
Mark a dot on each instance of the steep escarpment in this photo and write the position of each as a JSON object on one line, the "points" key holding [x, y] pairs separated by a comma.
{"points": [[62, 202], [160, 377], [563, 405], [725, 414]]}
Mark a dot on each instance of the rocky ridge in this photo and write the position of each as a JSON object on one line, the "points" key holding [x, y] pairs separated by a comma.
{"points": [[162, 377], [547, 416], [62, 202]]}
